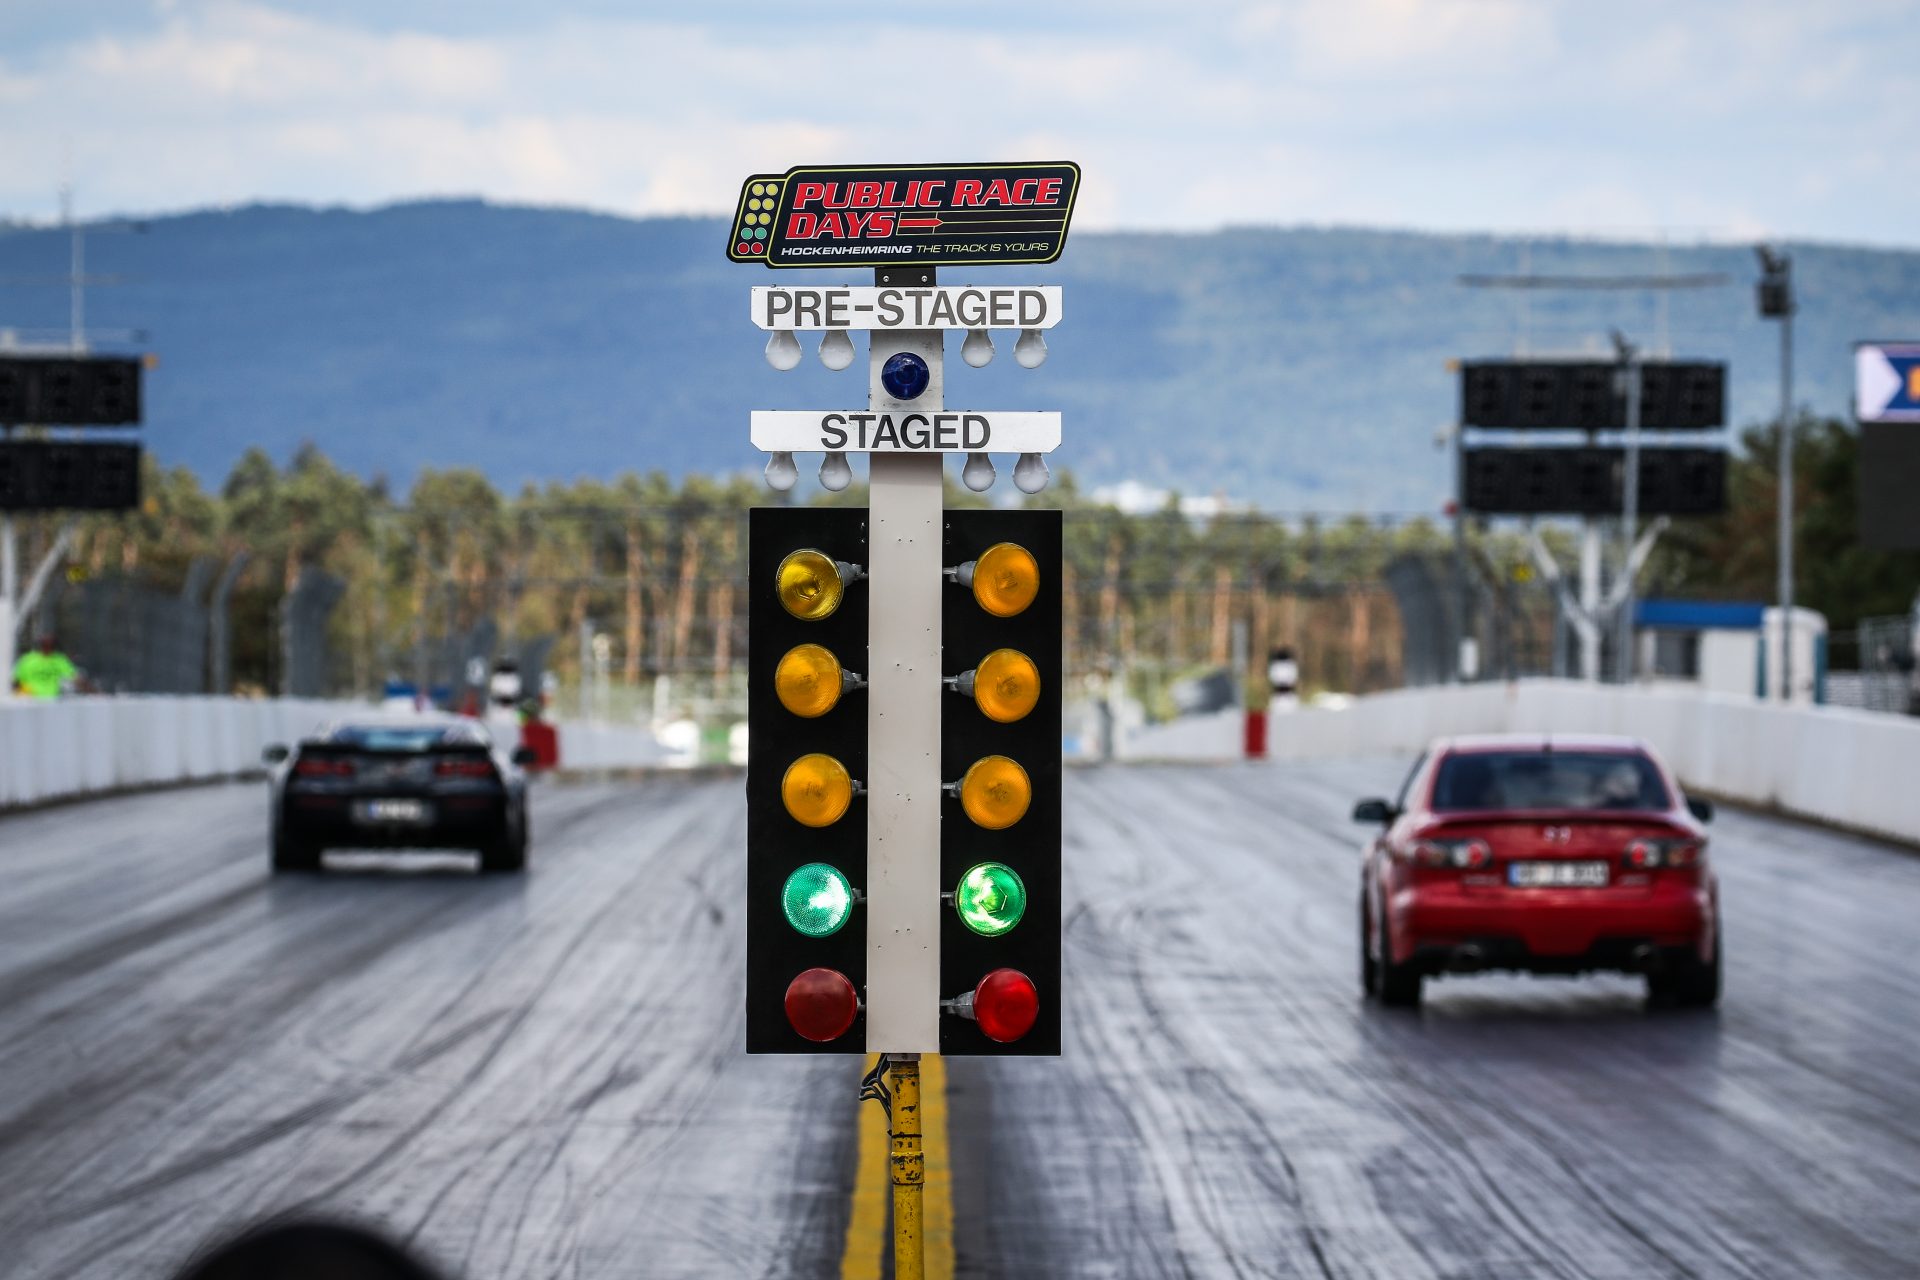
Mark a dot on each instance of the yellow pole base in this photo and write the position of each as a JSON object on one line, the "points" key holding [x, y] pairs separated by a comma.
{"points": [[908, 1164]]}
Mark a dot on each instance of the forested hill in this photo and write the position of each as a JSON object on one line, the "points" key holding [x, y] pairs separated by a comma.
{"points": [[1297, 369]]}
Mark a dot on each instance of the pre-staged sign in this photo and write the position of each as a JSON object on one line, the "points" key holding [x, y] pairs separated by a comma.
{"points": [[964, 307], [893, 215], [905, 431]]}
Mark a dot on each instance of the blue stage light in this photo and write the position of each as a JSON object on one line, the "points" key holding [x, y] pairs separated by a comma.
{"points": [[905, 375]]}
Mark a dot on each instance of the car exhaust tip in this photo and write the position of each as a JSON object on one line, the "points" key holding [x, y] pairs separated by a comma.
{"points": [[1643, 957], [1467, 957]]}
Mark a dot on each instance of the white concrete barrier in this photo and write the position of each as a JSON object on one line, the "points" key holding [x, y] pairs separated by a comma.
{"points": [[607, 746], [79, 746], [51, 750], [1853, 769]]}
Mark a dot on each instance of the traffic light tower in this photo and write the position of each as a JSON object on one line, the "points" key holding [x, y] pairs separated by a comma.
{"points": [[904, 770], [939, 840]]}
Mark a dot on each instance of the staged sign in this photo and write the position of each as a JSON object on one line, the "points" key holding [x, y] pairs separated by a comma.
{"points": [[935, 431], [889, 215]]}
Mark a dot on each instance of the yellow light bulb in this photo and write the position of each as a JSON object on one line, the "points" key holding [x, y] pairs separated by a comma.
{"points": [[1006, 578], [809, 680], [809, 585], [1006, 685], [816, 790], [995, 792]]}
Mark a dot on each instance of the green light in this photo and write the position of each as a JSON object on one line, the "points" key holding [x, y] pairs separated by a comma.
{"points": [[817, 900], [990, 899]]}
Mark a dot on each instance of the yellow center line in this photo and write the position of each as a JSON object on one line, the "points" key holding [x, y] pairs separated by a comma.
{"points": [[871, 1218]]}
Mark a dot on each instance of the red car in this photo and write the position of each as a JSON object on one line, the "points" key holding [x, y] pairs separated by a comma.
{"points": [[1541, 854]]}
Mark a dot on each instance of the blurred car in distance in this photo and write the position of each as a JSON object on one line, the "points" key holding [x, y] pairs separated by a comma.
{"points": [[413, 782], [1542, 855]]}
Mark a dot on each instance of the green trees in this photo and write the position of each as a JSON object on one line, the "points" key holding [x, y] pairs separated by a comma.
{"points": [[653, 568]]}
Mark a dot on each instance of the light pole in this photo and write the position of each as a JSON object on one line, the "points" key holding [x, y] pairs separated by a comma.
{"points": [[1629, 380], [1777, 303]]}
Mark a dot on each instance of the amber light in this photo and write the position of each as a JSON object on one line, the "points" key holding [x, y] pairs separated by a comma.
{"points": [[810, 584], [1005, 579], [809, 680], [816, 790], [995, 792], [1005, 686]]}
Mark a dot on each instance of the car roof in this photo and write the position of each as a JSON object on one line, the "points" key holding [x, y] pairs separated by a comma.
{"points": [[433, 721], [1476, 742]]}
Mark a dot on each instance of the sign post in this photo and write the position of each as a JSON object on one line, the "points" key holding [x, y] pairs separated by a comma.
{"points": [[905, 222]]}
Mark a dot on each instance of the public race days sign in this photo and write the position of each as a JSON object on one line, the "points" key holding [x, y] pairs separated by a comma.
{"points": [[901, 215]]}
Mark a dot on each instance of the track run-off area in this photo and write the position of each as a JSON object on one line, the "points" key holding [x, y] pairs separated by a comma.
{"points": [[542, 1076]]}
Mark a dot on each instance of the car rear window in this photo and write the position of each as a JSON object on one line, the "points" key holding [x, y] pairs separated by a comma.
{"points": [[389, 737], [1548, 780]]}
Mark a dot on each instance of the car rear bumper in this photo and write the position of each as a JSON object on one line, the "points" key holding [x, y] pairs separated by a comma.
{"points": [[457, 822], [1550, 931]]}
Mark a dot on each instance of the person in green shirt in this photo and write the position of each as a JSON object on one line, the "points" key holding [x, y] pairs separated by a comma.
{"points": [[43, 670]]}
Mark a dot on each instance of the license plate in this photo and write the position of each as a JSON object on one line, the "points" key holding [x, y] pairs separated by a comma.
{"points": [[1557, 875], [392, 811]]}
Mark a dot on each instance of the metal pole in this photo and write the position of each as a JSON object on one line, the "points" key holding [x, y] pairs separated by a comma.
{"points": [[904, 554], [1586, 623], [220, 623], [907, 1161], [586, 671], [9, 593], [1786, 503], [1464, 603], [1629, 512], [76, 278]]}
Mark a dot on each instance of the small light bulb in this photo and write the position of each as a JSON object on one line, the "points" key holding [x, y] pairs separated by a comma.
{"points": [[835, 474], [1030, 473], [781, 473], [836, 349], [1031, 350], [783, 349], [977, 350], [978, 474]]}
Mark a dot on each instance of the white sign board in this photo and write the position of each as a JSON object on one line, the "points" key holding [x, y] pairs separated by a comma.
{"points": [[872, 307], [904, 431], [1886, 382]]}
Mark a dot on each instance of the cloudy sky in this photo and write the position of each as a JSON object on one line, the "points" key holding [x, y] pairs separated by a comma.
{"points": [[1789, 117]]}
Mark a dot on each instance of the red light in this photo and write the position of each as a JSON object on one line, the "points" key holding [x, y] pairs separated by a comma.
{"points": [[1005, 1004], [323, 768], [821, 1004], [1642, 854], [1462, 855], [464, 768]]}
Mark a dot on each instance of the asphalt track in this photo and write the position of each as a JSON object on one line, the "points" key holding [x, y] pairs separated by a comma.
{"points": [[541, 1077]]}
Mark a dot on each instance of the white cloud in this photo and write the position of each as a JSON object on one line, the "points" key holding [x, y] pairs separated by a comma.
{"points": [[1452, 113]]}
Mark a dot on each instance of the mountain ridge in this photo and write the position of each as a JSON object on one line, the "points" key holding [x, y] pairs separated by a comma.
{"points": [[1294, 369]]}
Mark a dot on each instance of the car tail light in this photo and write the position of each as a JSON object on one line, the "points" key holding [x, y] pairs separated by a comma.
{"points": [[463, 768], [1648, 854], [323, 767], [1461, 855]]}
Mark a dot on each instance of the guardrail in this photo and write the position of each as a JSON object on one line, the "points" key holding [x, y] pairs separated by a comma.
{"points": [[52, 750]]}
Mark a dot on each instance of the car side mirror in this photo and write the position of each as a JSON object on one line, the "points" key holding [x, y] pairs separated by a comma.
{"points": [[1373, 811], [525, 756], [1700, 808], [275, 754]]}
